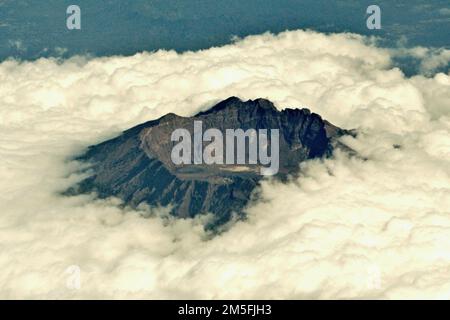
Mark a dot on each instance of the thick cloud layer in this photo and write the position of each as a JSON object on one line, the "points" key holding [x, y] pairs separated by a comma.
{"points": [[346, 228]]}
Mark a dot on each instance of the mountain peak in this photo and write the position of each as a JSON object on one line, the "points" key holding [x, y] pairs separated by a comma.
{"points": [[235, 102], [138, 166]]}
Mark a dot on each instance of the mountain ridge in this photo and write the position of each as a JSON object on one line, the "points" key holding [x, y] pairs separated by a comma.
{"points": [[136, 165]]}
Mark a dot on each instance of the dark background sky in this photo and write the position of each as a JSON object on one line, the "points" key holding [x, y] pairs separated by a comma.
{"points": [[30, 29]]}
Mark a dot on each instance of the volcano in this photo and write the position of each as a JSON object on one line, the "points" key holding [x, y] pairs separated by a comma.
{"points": [[138, 167]]}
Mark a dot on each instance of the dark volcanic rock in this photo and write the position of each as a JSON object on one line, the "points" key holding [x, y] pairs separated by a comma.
{"points": [[136, 166]]}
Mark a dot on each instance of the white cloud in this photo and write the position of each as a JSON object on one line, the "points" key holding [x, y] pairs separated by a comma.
{"points": [[444, 11], [346, 228], [16, 44], [431, 59]]}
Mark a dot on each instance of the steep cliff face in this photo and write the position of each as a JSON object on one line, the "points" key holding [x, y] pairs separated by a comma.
{"points": [[137, 165]]}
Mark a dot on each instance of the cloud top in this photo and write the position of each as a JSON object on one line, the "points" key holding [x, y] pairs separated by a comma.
{"points": [[346, 228]]}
